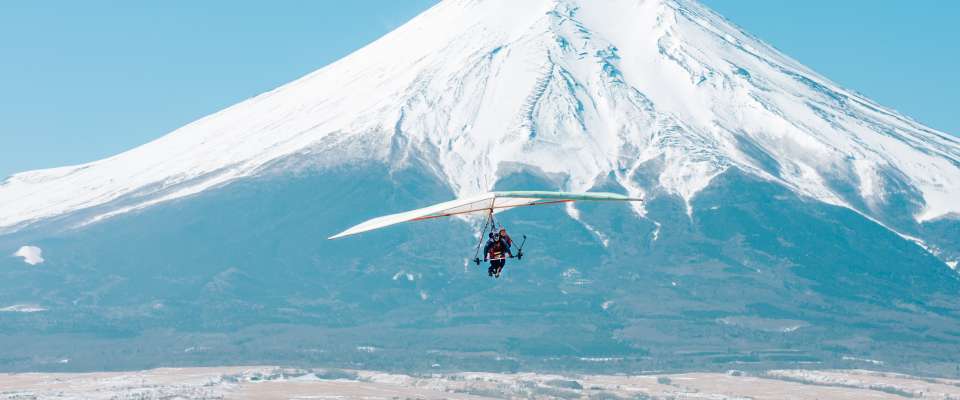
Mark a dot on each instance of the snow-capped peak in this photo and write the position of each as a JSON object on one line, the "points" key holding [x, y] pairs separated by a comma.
{"points": [[581, 89]]}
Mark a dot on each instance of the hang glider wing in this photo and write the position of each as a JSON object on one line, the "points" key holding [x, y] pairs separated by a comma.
{"points": [[484, 203]]}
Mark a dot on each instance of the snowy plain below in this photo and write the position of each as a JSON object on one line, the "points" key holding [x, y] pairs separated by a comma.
{"points": [[268, 383]]}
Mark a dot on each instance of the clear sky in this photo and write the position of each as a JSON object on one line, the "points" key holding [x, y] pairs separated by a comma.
{"points": [[84, 80]]}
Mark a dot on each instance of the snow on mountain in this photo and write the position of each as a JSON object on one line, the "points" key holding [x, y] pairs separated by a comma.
{"points": [[582, 89], [31, 255]]}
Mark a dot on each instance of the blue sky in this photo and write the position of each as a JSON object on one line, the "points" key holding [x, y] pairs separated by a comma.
{"points": [[81, 81]]}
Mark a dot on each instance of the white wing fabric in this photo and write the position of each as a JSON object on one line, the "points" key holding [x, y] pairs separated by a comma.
{"points": [[484, 203]]}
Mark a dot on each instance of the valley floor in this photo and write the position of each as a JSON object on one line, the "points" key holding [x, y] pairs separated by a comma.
{"points": [[279, 383]]}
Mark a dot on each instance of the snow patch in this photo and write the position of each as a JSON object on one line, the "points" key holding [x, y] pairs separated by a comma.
{"points": [[866, 360], [403, 274], [574, 213], [196, 349], [764, 324], [32, 255], [23, 308], [600, 359]]}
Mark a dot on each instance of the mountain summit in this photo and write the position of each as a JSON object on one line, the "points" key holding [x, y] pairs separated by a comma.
{"points": [[785, 219]]}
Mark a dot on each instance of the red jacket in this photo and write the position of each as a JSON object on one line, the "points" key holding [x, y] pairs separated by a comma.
{"points": [[495, 248]]}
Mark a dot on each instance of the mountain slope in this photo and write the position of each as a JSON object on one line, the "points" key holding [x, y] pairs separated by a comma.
{"points": [[774, 230]]}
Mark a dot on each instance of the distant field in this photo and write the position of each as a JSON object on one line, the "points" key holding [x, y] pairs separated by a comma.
{"points": [[262, 382]]}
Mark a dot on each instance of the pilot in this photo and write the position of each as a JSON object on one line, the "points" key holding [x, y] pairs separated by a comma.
{"points": [[496, 251]]}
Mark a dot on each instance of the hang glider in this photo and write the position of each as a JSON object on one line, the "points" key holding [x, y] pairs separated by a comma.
{"points": [[487, 203]]}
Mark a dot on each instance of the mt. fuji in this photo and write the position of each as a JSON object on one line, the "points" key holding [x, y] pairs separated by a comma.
{"points": [[786, 219]]}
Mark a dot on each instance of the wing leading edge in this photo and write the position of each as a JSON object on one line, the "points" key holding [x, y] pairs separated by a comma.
{"points": [[484, 203]]}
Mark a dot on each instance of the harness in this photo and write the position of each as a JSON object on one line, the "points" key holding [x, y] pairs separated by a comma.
{"points": [[497, 250]]}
